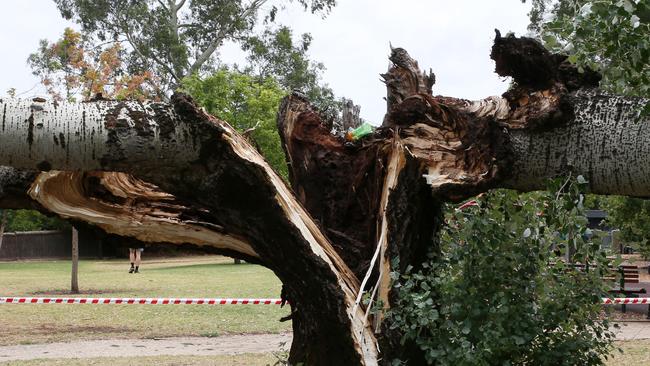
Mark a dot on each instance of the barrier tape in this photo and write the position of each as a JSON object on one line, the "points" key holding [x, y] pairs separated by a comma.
{"points": [[626, 301], [136, 301], [217, 301]]}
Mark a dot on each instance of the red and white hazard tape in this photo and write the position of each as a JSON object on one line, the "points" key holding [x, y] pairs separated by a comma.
{"points": [[217, 301], [136, 301], [626, 301]]}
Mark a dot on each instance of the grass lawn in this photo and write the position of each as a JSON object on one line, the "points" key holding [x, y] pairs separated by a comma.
{"points": [[205, 276], [634, 353]]}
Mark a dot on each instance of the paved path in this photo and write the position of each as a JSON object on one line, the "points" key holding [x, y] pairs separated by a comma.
{"points": [[198, 346], [633, 330]]}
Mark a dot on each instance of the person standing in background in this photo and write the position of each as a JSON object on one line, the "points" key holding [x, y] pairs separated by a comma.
{"points": [[135, 256]]}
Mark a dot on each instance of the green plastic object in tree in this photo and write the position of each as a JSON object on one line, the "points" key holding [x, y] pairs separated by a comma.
{"points": [[364, 130]]}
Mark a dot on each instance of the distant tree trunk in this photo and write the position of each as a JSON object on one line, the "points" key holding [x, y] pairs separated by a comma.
{"points": [[3, 222], [74, 282]]}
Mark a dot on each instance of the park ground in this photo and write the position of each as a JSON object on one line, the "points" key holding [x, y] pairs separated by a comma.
{"points": [[28, 327]]}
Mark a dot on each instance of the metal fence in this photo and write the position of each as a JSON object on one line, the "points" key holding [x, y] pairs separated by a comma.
{"points": [[47, 244]]}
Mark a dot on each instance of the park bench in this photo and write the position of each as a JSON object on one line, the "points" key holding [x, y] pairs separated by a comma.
{"points": [[627, 274]]}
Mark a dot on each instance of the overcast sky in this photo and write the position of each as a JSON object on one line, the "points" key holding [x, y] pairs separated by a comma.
{"points": [[451, 37]]}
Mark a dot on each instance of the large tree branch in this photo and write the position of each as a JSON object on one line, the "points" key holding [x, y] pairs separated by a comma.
{"points": [[199, 158], [607, 142], [121, 204]]}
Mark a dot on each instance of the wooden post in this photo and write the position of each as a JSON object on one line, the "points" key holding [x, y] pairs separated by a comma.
{"points": [[3, 222], [74, 282]]}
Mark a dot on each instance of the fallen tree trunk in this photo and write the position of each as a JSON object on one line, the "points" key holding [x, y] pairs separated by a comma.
{"points": [[192, 155], [361, 209]]}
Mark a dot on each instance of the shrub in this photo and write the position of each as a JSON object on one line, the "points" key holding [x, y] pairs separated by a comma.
{"points": [[503, 293]]}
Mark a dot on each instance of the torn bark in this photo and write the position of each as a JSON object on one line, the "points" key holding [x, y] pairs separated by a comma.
{"points": [[361, 209]]}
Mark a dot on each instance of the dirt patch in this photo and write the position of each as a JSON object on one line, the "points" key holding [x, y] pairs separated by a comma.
{"points": [[618, 315], [83, 292], [198, 346], [58, 328]]}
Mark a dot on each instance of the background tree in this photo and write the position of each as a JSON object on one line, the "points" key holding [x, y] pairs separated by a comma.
{"points": [[275, 54], [30, 220], [631, 216], [250, 103], [175, 39], [72, 67], [610, 37]]}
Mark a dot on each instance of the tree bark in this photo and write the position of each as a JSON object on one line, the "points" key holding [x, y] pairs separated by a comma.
{"points": [[361, 209], [74, 280]]}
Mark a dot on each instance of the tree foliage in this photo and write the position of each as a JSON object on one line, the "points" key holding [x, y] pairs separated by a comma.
{"points": [[612, 37], [506, 295], [248, 103], [274, 53], [30, 220], [630, 215], [175, 39], [72, 67]]}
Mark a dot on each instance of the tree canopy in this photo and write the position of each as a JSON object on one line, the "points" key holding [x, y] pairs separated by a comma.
{"points": [[248, 103], [174, 39], [72, 66], [611, 37]]}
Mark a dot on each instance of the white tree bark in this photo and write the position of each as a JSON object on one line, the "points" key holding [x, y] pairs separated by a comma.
{"points": [[608, 143], [88, 136]]}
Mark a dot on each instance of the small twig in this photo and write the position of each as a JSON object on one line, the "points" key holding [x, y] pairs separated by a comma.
{"points": [[557, 196]]}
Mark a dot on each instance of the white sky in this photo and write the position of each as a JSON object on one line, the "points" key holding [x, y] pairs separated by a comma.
{"points": [[453, 37]]}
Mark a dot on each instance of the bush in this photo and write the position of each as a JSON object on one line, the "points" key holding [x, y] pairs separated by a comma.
{"points": [[501, 293], [30, 220]]}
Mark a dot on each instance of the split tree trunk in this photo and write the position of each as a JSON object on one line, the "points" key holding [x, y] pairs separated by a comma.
{"points": [[361, 210]]}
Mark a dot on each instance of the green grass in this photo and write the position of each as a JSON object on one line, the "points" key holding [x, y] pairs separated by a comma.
{"points": [[262, 359], [207, 276], [634, 353]]}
